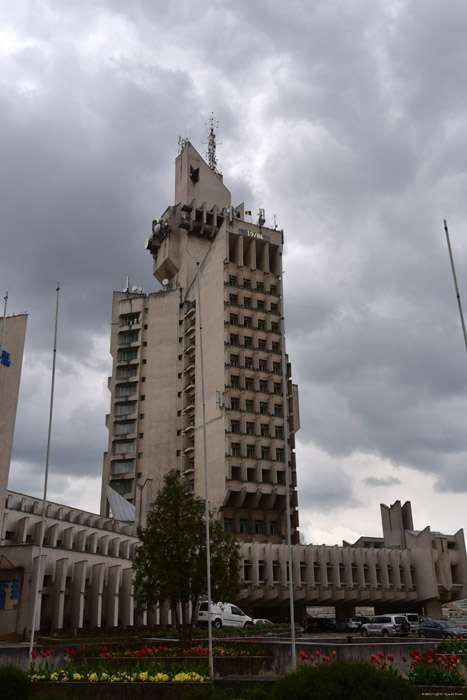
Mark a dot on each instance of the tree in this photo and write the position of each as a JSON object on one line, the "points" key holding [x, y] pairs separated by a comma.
{"points": [[170, 562]]}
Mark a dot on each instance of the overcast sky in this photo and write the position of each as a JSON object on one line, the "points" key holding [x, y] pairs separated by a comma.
{"points": [[345, 118]]}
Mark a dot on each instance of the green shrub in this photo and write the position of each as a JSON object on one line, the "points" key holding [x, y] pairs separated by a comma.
{"points": [[14, 683], [208, 692], [342, 680]]}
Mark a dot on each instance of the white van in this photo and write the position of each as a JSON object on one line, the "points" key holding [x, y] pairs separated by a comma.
{"points": [[223, 615]]}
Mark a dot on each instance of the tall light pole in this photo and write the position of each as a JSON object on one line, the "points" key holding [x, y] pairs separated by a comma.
{"points": [[206, 491], [46, 476]]}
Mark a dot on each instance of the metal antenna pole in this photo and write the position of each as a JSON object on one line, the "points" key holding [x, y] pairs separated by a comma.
{"points": [[287, 475], [3, 324], [455, 283], [44, 499], [206, 492]]}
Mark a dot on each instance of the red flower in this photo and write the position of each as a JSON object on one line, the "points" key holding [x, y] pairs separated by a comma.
{"points": [[380, 654], [325, 658], [51, 651], [334, 653], [118, 663], [73, 652], [390, 657], [43, 654], [303, 655], [185, 653], [317, 653], [67, 651], [109, 656], [311, 657], [83, 648], [33, 654]]}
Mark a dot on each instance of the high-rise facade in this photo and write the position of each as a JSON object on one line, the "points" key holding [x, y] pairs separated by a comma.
{"points": [[156, 419]]}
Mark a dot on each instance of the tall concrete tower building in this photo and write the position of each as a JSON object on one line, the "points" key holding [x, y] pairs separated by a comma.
{"points": [[156, 418]]}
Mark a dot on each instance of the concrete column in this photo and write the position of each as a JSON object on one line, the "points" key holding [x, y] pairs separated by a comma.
{"points": [[77, 594], [112, 594], [58, 597], [96, 593], [126, 598]]}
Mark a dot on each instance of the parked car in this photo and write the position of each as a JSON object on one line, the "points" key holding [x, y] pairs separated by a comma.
{"points": [[349, 624], [441, 629], [319, 624], [386, 626], [223, 615], [262, 621], [414, 620]]}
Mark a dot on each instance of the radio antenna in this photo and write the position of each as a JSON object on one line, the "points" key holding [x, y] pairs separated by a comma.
{"points": [[211, 156]]}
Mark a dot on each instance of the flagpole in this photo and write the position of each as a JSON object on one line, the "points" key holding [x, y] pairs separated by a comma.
{"points": [[44, 499]]}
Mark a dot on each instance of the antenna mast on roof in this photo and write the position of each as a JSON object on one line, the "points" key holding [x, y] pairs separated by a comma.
{"points": [[211, 150]]}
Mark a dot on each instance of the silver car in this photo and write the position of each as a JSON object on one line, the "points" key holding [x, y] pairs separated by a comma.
{"points": [[386, 626]]}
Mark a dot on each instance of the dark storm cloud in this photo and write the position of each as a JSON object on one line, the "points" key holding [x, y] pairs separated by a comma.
{"points": [[348, 120]]}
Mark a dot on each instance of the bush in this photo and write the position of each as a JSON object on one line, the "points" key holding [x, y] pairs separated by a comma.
{"points": [[342, 680], [14, 683], [208, 692]]}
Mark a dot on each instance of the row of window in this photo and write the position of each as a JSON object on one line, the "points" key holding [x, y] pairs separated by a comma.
{"points": [[262, 343], [250, 452], [246, 284], [249, 363], [248, 304], [263, 407], [235, 427], [244, 527], [262, 385], [248, 323]]}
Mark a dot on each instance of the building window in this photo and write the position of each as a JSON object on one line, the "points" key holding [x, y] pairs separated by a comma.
{"points": [[274, 328], [262, 365], [248, 363], [233, 299], [125, 409], [279, 432], [141, 436], [261, 344], [125, 372], [277, 409], [145, 345], [264, 452], [128, 354], [140, 455], [247, 302], [235, 403], [145, 327], [243, 526], [264, 430], [250, 428], [259, 287], [246, 283], [234, 426], [232, 280], [273, 289], [141, 416], [260, 305], [248, 341], [276, 348], [143, 379], [126, 389], [263, 385], [233, 339], [142, 397], [128, 338], [234, 360], [235, 449], [249, 385], [249, 406], [274, 309], [123, 467], [261, 324], [263, 408], [122, 448], [125, 428], [145, 362], [228, 525], [234, 381], [122, 487], [258, 527], [233, 320], [276, 367], [250, 451], [273, 529], [279, 454], [277, 389], [247, 322]]}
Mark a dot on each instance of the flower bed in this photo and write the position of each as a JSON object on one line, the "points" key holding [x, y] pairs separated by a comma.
{"points": [[225, 647]]}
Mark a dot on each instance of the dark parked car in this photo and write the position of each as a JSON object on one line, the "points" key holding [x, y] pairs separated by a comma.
{"points": [[441, 629], [319, 624]]}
